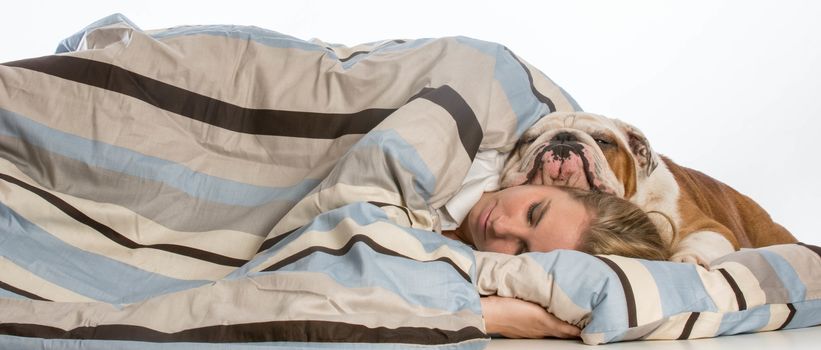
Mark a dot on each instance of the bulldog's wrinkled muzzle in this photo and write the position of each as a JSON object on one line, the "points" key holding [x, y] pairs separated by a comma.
{"points": [[562, 161]]}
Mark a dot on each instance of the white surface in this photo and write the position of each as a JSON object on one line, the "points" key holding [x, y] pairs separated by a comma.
{"points": [[793, 339], [731, 88]]}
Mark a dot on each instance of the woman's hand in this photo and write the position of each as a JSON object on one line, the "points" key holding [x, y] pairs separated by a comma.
{"points": [[514, 318]]}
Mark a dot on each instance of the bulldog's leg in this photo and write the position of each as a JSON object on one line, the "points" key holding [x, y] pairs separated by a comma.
{"points": [[701, 248]]}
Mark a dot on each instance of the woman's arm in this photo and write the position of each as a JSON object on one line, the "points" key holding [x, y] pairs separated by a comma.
{"points": [[514, 318]]}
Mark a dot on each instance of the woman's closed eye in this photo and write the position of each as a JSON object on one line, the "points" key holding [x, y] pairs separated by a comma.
{"points": [[530, 211], [536, 212]]}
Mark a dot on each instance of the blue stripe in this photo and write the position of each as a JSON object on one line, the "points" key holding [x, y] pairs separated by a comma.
{"points": [[394, 146], [600, 288], [363, 267], [73, 42], [119, 159], [513, 79], [790, 280], [89, 274], [362, 214], [9, 295], [746, 321], [433, 285], [12, 342], [807, 314], [679, 288]]}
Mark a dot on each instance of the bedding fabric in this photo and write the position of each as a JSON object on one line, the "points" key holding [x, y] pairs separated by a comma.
{"points": [[232, 187]]}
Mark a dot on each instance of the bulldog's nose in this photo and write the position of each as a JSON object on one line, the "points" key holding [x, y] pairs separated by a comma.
{"points": [[564, 136]]}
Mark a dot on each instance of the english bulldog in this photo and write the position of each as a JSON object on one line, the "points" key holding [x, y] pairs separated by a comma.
{"points": [[700, 217]]}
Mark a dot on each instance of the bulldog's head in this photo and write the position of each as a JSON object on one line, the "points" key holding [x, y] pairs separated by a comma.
{"points": [[581, 150]]}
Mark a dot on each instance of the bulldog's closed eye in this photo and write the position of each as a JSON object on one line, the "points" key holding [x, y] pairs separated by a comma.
{"points": [[604, 141], [528, 139]]}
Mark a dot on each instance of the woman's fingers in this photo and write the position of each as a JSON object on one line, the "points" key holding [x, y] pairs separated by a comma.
{"points": [[558, 328], [514, 318]]}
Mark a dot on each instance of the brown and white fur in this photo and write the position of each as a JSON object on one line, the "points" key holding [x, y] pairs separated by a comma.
{"points": [[701, 218]]}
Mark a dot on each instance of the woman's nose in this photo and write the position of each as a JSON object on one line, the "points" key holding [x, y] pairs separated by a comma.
{"points": [[506, 227]]}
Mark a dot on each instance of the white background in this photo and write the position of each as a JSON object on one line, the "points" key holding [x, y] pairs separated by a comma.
{"points": [[731, 88]]}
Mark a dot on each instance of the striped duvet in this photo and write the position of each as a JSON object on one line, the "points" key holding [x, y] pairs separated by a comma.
{"points": [[232, 187]]}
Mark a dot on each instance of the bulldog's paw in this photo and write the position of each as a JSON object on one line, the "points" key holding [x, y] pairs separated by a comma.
{"points": [[691, 258], [701, 248]]}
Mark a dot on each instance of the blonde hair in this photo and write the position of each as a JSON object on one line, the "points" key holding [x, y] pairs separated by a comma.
{"points": [[618, 227]]}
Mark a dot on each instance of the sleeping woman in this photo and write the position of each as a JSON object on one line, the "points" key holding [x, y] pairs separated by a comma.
{"points": [[534, 218]]}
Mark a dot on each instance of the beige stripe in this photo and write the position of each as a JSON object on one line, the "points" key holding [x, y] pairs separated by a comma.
{"points": [[707, 325], [513, 276], [384, 234], [562, 304], [747, 282], [592, 338], [671, 328], [138, 126], [268, 297], [21, 278], [778, 315], [807, 265], [65, 228], [717, 288], [645, 290], [145, 231]]}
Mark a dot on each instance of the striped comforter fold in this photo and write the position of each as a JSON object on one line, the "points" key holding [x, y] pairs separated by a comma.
{"points": [[236, 186], [232, 187]]}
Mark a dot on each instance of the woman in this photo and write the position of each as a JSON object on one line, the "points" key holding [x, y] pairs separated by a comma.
{"points": [[544, 218]]}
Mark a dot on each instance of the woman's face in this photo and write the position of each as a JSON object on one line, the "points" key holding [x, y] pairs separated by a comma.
{"points": [[526, 218]]}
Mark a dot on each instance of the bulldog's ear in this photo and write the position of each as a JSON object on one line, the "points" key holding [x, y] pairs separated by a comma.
{"points": [[640, 147]]}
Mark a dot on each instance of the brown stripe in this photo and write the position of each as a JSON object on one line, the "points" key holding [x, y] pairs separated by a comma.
{"points": [[344, 250], [629, 297], [357, 53], [815, 249], [118, 238], [21, 292], [274, 331], [270, 242], [688, 327], [739, 296], [203, 108], [789, 317], [542, 98], [470, 131], [381, 204]]}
